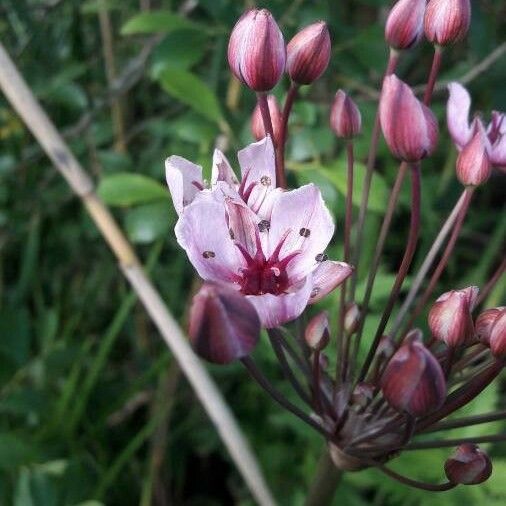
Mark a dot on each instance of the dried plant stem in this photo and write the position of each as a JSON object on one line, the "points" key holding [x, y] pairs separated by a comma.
{"points": [[427, 263], [468, 194], [266, 118], [23, 100], [434, 71], [385, 227], [391, 66]]}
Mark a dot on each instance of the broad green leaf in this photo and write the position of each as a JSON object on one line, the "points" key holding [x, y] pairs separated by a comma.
{"points": [[157, 22], [146, 223], [126, 189], [192, 91]]}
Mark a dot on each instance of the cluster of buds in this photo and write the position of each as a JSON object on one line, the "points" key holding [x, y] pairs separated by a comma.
{"points": [[261, 251]]}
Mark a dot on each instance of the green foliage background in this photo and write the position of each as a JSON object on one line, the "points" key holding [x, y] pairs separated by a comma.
{"points": [[93, 409]]}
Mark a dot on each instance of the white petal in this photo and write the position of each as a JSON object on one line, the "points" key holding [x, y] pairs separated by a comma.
{"points": [[181, 175]]}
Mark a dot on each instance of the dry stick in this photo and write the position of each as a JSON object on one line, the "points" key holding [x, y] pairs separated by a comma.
{"points": [[427, 263], [392, 64], [468, 194], [23, 101]]}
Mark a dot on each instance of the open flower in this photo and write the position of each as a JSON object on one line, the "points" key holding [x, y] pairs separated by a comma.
{"points": [[266, 243], [462, 130]]}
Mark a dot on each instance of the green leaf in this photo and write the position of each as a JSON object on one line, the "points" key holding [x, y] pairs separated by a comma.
{"points": [[158, 22], [146, 223], [13, 451], [192, 91], [126, 189], [379, 192]]}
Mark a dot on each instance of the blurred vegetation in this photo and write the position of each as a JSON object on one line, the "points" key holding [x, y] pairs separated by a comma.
{"points": [[93, 409]]}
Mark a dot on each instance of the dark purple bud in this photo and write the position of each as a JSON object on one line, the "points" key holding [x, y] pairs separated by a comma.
{"points": [[413, 380], [317, 332], [450, 317], [256, 50], [257, 123], [447, 21], [468, 466], [224, 325], [308, 53], [345, 118]]}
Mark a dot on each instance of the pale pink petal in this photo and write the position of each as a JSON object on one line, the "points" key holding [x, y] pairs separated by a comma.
{"points": [[222, 171], [498, 152], [243, 225], [203, 232], [457, 114], [303, 213], [258, 167], [275, 310], [328, 276], [184, 179]]}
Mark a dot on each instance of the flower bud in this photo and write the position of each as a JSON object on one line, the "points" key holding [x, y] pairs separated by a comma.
{"points": [[404, 27], [386, 346], [450, 317], [317, 333], [257, 123], [224, 325], [308, 53], [498, 336], [410, 128], [413, 380], [447, 21], [485, 322], [351, 318], [256, 50], [345, 118], [468, 466], [473, 163], [363, 394]]}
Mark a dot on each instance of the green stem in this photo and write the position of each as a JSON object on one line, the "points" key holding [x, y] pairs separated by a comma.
{"points": [[325, 482]]}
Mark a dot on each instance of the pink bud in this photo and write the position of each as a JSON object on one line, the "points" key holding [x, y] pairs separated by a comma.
{"points": [[345, 118], [308, 53], [468, 466], [473, 163], [256, 50], [257, 123], [485, 322], [317, 331], [447, 21], [413, 380], [224, 325], [351, 318], [450, 317], [410, 128], [404, 27], [498, 335]]}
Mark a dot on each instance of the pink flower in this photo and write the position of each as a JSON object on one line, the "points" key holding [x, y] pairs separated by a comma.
{"points": [[410, 128], [256, 50], [462, 131], [404, 26], [473, 164], [447, 21], [266, 243]]}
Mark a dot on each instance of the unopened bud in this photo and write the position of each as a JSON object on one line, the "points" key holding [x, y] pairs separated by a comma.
{"points": [[363, 394], [317, 333], [386, 346], [413, 381], [473, 163], [491, 329], [450, 318], [404, 27], [345, 118], [224, 325], [308, 53], [410, 128], [256, 50], [257, 123], [468, 466], [485, 322], [447, 21], [351, 318]]}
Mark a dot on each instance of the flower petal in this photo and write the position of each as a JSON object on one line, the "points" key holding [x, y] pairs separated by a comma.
{"points": [[202, 231], [457, 114], [274, 310], [328, 276], [498, 152], [222, 170], [243, 225], [304, 214], [184, 179]]}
